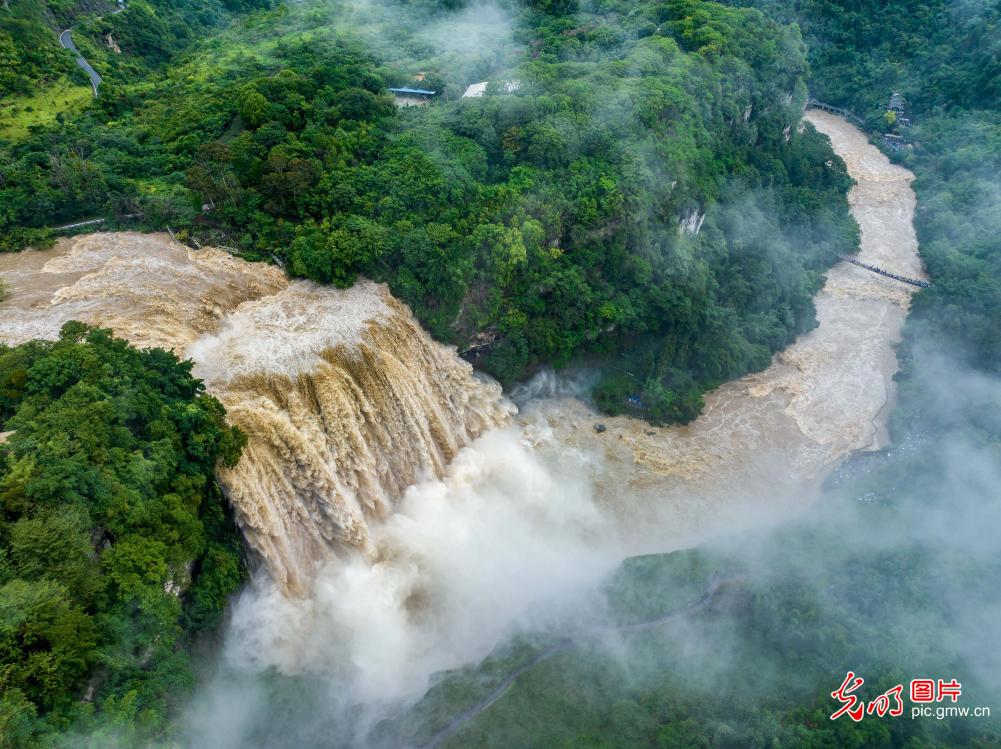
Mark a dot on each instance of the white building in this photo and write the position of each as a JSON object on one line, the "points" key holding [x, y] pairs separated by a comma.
{"points": [[478, 89]]}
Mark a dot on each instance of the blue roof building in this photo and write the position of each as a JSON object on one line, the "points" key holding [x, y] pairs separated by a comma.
{"points": [[412, 91]]}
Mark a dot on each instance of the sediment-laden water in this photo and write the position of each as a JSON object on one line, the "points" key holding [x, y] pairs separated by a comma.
{"points": [[405, 522], [345, 399], [764, 442]]}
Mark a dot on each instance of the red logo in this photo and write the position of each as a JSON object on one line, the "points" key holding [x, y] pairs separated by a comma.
{"points": [[890, 702], [881, 705], [922, 690], [849, 702]]}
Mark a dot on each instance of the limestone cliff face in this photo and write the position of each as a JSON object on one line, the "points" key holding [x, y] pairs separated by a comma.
{"points": [[345, 400]]}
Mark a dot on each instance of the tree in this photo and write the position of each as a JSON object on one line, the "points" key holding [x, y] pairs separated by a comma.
{"points": [[108, 507], [253, 107]]}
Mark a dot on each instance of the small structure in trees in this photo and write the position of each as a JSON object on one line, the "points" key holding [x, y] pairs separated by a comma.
{"points": [[474, 90], [898, 106], [412, 97], [893, 141]]}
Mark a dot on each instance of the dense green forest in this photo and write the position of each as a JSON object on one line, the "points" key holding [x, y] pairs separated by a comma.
{"points": [[642, 200], [145, 34], [116, 549], [548, 222], [898, 575]]}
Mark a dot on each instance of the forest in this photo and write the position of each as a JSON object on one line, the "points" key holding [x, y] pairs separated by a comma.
{"points": [[552, 223], [545, 225], [147, 33], [116, 546], [641, 203], [897, 573]]}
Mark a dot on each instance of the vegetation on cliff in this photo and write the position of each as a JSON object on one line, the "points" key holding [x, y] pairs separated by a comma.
{"points": [[556, 222], [115, 545], [643, 199]]}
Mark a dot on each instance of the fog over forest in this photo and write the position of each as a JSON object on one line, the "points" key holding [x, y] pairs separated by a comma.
{"points": [[550, 416]]}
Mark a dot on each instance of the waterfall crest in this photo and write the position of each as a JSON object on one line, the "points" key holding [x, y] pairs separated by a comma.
{"points": [[345, 399], [338, 428]]}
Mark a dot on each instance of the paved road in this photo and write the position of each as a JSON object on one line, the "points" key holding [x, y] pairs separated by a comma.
{"points": [[66, 39]]}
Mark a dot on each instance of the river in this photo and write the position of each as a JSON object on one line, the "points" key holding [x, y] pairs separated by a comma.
{"points": [[764, 443], [404, 520]]}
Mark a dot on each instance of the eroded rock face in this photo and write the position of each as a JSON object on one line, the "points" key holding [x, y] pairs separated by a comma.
{"points": [[346, 401]]}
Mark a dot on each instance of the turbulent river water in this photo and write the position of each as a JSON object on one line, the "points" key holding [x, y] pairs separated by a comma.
{"points": [[405, 517], [345, 399], [764, 442]]}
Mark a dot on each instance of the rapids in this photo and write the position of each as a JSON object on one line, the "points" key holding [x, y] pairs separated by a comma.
{"points": [[406, 522], [764, 442], [345, 400]]}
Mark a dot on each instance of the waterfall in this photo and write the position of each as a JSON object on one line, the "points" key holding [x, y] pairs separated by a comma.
{"points": [[346, 402], [344, 398]]}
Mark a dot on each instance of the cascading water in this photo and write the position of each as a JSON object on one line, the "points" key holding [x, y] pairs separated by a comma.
{"points": [[345, 400], [375, 485]]}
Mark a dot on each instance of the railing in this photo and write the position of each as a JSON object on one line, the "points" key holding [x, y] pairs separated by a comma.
{"points": [[811, 102], [903, 279], [79, 224]]}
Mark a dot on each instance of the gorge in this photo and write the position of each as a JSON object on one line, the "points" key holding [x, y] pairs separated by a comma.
{"points": [[405, 518]]}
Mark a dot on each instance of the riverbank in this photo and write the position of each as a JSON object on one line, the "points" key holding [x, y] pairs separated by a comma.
{"points": [[765, 442]]}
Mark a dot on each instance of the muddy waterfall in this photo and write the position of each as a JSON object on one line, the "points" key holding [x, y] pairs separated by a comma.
{"points": [[345, 400], [411, 532]]}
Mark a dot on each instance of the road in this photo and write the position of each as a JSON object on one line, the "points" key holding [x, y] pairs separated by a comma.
{"points": [[66, 40]]}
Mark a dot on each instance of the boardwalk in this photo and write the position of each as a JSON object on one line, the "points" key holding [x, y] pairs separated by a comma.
{"points": [[78, 224]]}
